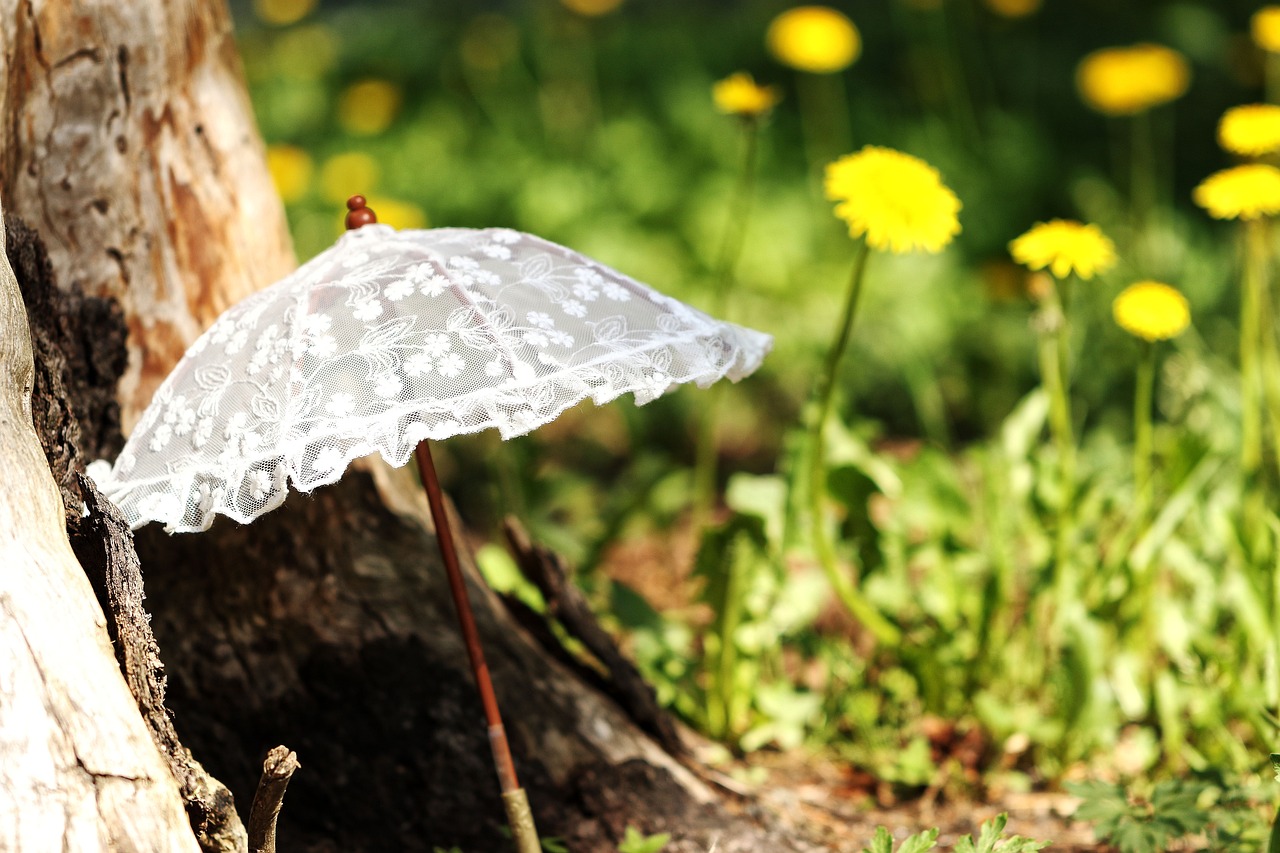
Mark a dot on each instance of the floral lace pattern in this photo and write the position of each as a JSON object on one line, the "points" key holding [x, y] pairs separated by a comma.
{"points": [[391, 337]]}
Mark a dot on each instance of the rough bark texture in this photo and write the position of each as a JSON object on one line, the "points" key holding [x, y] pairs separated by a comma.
{"points": [[129, 145], [78, 345], [104, 547], [78, 770], [78, 355]]}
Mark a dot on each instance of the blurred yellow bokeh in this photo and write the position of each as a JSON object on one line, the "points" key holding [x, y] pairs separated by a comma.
{"points": [[1128, 80], [1265, 28], [739, 94], [397, 213], [817, 39], [304, 53], [1251, 130], [348, 174], [1013, 8], [368, 107], [291, 169], [1151, 310], [1246, 192], [1065, 246], [489, 42], [282, 12], [591, 8]]}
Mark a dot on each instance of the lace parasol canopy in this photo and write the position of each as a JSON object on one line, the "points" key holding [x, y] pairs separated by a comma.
{"points": [[392, 337]]}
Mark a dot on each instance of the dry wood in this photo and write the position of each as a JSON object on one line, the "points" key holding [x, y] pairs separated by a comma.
{"points": [[565, 602], [129, 146], [78, 770], [77, 344], [277, 769], [104, 546]]}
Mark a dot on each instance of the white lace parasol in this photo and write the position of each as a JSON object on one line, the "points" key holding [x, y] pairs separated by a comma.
{"points": [[391, 337]]}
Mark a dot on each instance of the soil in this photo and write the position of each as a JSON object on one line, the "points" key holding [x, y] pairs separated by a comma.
{"points": [[820, 799]]}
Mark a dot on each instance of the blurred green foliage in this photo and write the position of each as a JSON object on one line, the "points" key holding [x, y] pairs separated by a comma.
{"points": [[599, 133]]}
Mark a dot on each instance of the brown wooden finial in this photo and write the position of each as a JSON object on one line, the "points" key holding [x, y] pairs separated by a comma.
{"points": [[359, 213]]}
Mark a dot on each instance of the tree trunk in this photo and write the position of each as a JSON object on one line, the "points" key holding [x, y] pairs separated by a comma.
{"points": [[130, 147], [77, 768], [325, 625]]}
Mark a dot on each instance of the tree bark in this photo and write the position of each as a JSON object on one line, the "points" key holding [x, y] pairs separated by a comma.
{"points": [[326, 624], [78, 770], [129, 145]]}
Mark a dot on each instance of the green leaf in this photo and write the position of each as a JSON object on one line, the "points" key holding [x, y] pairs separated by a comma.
{"points": [[634, 841], [991, 840], [1021, 430], [763, 497], [1103, 804], [882, 843], [920, 843], [1275, 764], [1175, 807]]}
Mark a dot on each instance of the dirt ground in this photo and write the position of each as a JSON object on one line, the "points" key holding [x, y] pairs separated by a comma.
{"points": [[814, 797]]}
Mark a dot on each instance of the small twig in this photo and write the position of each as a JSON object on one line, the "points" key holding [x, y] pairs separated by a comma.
{"points": [[278, 768], [565, 603]]}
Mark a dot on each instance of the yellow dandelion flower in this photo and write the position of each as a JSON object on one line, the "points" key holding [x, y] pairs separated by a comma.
{"points": [[1127, 80], [898, 201], [1242, 192], [1152, 311], [591, 8], [283, 12], [368, 107], [290, 169], [817, 39], [1065, 246], [1251, 130], [1264, 26], [740, 95], [344, 175], [1013, 8]]}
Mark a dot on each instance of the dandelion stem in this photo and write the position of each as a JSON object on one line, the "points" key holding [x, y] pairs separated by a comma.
{"points": [[884, 631], [1064, 337], [704, 470], [1269, 356], [1054, 376], [720, 699], [1142, 429], [1250, 344]]}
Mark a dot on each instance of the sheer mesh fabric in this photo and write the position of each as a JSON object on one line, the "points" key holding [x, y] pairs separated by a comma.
{"points": [[391, 337]]}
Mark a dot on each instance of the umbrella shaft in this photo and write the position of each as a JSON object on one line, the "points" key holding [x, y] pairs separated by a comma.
{"points": [[466, 620]]}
